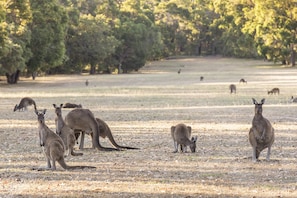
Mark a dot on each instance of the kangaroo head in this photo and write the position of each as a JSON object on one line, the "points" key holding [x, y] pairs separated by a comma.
{"points": [[258, 106], [40, 115], [58, 110], [193, 144], [15, 107]]}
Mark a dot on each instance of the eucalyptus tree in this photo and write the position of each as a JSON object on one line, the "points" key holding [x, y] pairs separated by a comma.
{"points": [[49, 27], [14, 38]]}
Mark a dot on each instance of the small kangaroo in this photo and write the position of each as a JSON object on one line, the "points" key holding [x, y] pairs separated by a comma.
{"points": [[104, 131], [53, 145], [181, 136], [273, 91], [201, 78], [71, 105], [261, 135], [293, 99], [242, 81], [24, 103], [65, 132], [232, 89]]}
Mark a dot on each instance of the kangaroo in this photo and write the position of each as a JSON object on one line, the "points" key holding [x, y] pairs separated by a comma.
{"points": [[24, 103], [65, 132], [181, 136], [104, 131], [84, 120], [273, 91], [53, 145], [232, 88], [179, 71], [242, 81], [201, 78], [293, 99], [71, 105], [261, 135]]}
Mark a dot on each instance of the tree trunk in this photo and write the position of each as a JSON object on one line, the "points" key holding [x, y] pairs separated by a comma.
{"points": [[293, 56], [93, 69], [13, 78]]}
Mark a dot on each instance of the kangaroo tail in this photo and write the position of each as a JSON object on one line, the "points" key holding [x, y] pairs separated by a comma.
{"points": [[79, 167]]}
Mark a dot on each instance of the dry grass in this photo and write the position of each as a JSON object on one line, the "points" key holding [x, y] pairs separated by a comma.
{"points": [[140, 109]]}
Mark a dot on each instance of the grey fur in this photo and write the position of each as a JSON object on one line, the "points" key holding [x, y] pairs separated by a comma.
{"points": [[181, 135]]}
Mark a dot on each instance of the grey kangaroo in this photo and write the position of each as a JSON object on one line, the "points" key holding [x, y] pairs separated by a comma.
{"points": [[232, 89], [261, 135], [84, 120], [53, 146], [24, 103], [71, 105], [65, 132], [181, 136], [104, 132], [273, 91]]}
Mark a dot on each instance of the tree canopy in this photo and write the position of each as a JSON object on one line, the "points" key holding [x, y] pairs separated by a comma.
{"points": [[70, 36]]}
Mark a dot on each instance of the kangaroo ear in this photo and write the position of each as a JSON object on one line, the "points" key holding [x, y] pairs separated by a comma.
{"points": [[54, 105], [254, 101], [61, 105], [44, 110], [36, 111], [263, 100]]}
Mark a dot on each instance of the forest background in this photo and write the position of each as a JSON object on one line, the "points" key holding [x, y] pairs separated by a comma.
{"points": [[105, 36]]}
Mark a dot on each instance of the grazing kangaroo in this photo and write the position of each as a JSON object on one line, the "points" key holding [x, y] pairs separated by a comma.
{"points": [[232, 88], [273, 91], [53, 145], [84, 120], [201, 78], [261, 135], [242, 81], [293, 99], [104, 131], [181, 136], [71, 105], [65, 132], [24, 103], [179, 71]]}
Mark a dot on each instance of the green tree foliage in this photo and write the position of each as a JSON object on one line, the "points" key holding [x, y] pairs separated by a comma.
{"points": [[14, 38], [48, 27]]}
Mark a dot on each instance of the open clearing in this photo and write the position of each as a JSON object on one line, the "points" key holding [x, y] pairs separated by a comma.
{"points": [[140, 108]]}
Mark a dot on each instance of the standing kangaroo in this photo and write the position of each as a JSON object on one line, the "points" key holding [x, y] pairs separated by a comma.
{"points": [[53, 145], [104, 131], [273, 91], [261, 135], [232, 89], [24, 103], [65, 132], [181, 136], [84, 120]]}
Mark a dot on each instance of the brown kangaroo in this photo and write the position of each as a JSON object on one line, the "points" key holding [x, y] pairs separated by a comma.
{"points": [[71, 105], [261, 135], [242, 81], [84, 120], [24, 103], [181, 136], [104, 132], [273, 91], [65, 132], [53, 146], [232, 88]]}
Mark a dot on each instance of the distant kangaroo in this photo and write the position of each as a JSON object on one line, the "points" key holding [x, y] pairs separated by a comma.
{"points": [[24, 103], [242, 81], [65, 132], [71, 105], [181, 136], [84, 120], [293, 99], [273, 91], [53, 145], [232, 89], [104, 131], [261, 135]]}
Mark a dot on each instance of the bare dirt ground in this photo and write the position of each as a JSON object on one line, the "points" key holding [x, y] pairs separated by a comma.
{"points": [[140, 108]]}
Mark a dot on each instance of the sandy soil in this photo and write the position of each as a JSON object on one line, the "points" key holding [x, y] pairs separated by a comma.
{"points": [[140, 108]]}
